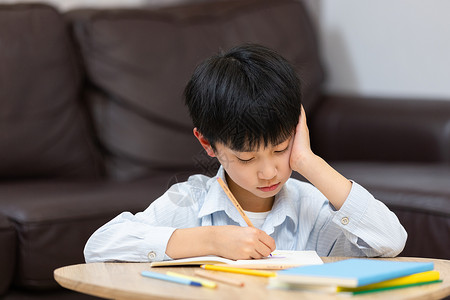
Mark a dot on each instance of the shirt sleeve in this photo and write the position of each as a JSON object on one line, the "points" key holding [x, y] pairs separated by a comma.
{"points": [[363, 226], [143, 237]]}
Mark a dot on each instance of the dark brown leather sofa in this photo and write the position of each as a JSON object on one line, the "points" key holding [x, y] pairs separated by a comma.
{"points": [[93, 124]]}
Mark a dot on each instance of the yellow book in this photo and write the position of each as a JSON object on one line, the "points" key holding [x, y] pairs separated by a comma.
{"points": [[401, 281]]}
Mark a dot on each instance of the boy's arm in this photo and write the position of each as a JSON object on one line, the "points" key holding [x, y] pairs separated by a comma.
{"points": [[153, 234], [357, 228], [127, 238], [363, 226], [228, 241], [327, 180]]}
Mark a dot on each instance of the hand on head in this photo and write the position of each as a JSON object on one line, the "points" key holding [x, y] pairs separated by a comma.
{"points": [[301, 148]]}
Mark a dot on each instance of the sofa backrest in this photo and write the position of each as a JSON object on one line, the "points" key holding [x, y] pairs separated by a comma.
{"points": [[42, 130], [139, 61]]}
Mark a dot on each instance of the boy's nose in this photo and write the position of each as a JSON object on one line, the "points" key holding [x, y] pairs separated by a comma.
{"points": [[267, 172]]}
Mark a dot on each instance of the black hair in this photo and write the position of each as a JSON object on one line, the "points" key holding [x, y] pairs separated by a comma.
{"points": [[244, 98]]}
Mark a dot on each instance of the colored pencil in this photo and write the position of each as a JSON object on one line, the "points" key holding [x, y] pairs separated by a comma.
{"points": [[219, 278], [234, 201], [203, 282], [239, 270], [165, 277]]}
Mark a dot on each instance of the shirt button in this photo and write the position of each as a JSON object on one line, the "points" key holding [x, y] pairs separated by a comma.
{"points": [[344, 221], [151, 255]]}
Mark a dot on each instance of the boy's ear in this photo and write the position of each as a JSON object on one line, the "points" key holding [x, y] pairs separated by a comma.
{"points": [[204, 142]]}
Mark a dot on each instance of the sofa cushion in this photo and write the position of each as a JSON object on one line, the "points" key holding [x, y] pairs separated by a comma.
{"points": [[382, 129], [7, 253], [419, 194], [53, 220], [140, 61], [43, 131]]}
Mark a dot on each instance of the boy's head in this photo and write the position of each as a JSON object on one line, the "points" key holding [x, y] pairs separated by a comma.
{"points": [[245, 105], [244, 98]]}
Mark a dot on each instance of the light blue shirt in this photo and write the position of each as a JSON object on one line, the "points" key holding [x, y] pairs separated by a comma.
{"points": [[301, 219]]}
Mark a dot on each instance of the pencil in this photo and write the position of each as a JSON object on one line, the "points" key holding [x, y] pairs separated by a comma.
{"points": [[203, 282], [234, 201], [239, 270], [218, 278], [165, 277]]}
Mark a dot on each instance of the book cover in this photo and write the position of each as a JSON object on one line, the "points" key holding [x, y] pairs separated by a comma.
{"points": [[280, 259], [428, 277], [353, 272], [404, 281]]}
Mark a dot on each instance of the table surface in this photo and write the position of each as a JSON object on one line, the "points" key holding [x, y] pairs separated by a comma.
{"points": [[123, 281]]}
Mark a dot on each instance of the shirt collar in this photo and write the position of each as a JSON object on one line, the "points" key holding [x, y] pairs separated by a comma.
{"points": [[284, 207], [216, 200]]}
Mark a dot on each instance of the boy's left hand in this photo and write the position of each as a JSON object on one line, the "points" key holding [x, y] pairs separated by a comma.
{"points": [[327, 180], [301, 148]]}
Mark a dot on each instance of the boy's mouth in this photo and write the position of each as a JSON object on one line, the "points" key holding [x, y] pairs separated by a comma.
{"points": [[269, 188]]}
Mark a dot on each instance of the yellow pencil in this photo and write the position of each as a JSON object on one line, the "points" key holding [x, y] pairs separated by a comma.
{"points": [[239, 270], [234, 201], [203, 282]]}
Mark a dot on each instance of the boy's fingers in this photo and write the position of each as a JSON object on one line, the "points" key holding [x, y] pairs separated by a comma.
{"points": [[259, 255], [262, 250], [268, 241]]}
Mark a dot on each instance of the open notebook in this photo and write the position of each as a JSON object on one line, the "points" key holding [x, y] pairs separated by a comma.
{"points": [[280, 259]]}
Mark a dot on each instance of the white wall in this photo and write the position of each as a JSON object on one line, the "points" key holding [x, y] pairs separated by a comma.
{"points": [[394, 48], [397, 48]]}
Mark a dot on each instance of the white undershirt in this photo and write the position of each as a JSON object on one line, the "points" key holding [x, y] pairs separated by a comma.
{"points": [[257, 218]]}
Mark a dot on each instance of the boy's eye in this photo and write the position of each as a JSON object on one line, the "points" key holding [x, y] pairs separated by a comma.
{"points": [[281, 151], [244, 160]]}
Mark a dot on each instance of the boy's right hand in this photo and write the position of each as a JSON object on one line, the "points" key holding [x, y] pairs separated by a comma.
{"points": [[229, 241], [235, 242]]}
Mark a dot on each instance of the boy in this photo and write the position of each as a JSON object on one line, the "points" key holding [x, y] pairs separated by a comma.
{"points": [[246, 108]]}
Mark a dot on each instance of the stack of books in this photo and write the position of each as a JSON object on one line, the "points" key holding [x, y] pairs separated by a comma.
{"points": [[356, 276]]}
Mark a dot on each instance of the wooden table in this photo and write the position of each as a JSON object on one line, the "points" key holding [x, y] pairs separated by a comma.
{"points": [[123, 281]]}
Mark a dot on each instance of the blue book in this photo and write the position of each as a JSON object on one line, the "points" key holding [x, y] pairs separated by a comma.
{"points": [[352, 272]]}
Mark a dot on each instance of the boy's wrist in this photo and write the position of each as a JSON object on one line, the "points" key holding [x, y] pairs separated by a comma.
{"points": [[327, 180], [306, 163], [203, 241], [211, 240]]}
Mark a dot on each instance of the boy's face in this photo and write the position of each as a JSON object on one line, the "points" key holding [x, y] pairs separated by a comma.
{"points": [[257, 174]]}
